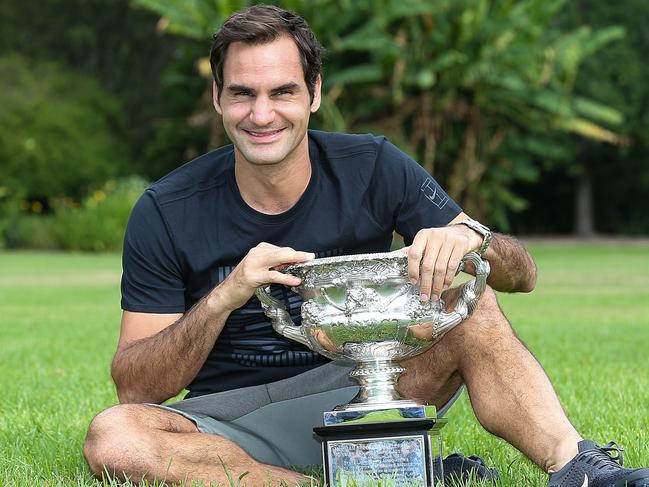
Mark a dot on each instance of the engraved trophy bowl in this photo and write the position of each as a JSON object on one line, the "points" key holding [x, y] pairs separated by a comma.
{"points": [[363, 309]]}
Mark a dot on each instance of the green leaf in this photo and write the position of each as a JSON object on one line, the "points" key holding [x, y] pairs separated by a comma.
{"points": [[553, 103], [602, 38], [449, 59], [597, 111], [362, 73], [426, 78], [592, 131]]}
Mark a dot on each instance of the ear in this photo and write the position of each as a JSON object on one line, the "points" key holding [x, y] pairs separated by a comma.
{"points": [[317, 93], [215, 98]]}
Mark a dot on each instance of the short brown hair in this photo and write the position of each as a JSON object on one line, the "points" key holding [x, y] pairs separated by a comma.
{"points": [[261, 24]]}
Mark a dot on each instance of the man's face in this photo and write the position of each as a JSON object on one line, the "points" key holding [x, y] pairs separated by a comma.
{"points": [[265, 102]]}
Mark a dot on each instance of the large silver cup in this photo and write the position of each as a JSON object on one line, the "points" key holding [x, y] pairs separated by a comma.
{"points": [[363, 309]]}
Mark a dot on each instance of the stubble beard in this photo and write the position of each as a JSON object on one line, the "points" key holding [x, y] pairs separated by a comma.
{"points": [[261, 156]]}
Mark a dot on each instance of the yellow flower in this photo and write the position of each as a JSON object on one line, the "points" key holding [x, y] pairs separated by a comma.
{"points": [[37, 207]]}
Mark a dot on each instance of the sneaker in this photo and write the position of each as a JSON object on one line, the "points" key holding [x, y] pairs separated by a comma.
{"points": [[459, 470], [596, 466]]}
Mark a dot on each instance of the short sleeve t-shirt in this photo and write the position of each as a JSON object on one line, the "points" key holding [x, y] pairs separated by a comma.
{"points": [[191, 228]]}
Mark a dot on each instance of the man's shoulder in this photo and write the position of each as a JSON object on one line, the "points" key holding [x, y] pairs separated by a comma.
{"points": [[364, 155], [203, 173], [339, 145]]}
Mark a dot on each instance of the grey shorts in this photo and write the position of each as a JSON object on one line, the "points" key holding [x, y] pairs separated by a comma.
{"points": [[274, 422]]}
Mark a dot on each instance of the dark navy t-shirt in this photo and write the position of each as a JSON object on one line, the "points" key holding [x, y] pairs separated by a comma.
{"points": [[191, 228]]}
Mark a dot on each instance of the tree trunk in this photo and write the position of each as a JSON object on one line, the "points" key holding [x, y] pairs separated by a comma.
{"points": [[584, 225]]}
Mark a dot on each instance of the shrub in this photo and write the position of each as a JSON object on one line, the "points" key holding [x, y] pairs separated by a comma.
{"points": [[100, 221], [97, 224], [58, 131], [30, 231]]}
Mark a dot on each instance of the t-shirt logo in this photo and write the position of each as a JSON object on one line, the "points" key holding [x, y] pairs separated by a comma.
{"points": [[434, 193]]}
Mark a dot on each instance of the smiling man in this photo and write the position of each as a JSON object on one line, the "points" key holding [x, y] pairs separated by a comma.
{"points": [[203, 238], [265, 103]]}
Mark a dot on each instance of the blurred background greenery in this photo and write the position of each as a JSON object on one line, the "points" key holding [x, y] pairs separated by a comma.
{"points": [[532, 113]]}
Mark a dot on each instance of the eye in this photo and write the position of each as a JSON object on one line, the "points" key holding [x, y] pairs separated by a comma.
{"points": [[284, 93], [242, 93]]}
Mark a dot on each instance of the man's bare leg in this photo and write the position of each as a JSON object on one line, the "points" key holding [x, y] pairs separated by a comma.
{"points": [[144, 442], [510, 393]]}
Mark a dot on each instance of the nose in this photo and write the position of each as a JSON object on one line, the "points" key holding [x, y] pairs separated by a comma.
{"points": [[262, 112]]}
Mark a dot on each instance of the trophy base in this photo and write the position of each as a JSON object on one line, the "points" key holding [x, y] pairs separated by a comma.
{"points": [[377, 406], [398, 447]]}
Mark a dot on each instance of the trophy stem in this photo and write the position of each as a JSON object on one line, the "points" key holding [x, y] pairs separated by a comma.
{"points": [[377, 381]]}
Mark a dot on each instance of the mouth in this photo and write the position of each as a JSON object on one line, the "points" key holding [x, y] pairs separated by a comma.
{"points": [[264, 135]]}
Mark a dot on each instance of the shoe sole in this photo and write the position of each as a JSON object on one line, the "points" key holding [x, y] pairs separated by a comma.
{"points": [[636, 479]]}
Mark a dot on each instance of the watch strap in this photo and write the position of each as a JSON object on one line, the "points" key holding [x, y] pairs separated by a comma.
{"points": [[481, 229]]}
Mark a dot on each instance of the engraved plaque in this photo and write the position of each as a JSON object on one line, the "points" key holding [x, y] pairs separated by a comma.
{"points": [[397, 461]]}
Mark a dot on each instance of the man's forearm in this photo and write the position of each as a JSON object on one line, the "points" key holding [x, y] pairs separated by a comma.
{"points": [[158, 367], [512, 267]]}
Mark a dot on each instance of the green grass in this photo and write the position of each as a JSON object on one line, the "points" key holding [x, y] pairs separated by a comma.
{"points": [[587, 322]]}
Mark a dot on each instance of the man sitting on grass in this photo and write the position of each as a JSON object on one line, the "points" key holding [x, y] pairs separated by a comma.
{"points": [[203, 238]]}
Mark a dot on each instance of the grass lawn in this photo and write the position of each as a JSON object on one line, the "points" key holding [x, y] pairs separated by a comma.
{"points": [[587, 322]]}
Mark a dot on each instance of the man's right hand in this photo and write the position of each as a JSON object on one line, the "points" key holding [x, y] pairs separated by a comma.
{"points": [[159, 354], [258, 268]]}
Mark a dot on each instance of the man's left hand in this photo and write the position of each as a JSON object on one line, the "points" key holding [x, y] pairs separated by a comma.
{"points": [[435, 255]]}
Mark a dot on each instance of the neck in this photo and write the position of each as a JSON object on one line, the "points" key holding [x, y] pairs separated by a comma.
{"points": [[273, 188]]}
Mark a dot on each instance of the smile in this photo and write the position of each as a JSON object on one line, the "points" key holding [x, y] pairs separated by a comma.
{"points": [[266, 136]]}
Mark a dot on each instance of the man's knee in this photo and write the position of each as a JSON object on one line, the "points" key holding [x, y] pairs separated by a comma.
{"points": [[488, 320], [488, 306], [106, 447]]}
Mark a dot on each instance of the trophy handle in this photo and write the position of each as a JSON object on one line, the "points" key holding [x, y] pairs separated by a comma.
{"points": [[281, 320], [470, 294]]}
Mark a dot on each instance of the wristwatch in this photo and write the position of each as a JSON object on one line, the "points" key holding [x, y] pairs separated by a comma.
{"points": [[481, 229]]}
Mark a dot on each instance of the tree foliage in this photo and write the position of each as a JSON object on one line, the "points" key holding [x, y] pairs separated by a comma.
{"points": [[152, 76], [617, 75], [596, 183], [471, 88], [57, 132]]}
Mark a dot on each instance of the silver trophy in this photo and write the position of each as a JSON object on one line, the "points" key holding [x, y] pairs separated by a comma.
{"points": [[363, 309]]}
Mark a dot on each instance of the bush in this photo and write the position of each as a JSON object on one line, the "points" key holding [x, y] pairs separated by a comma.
{"points": [[97, 224], [58, 131], [30, 231]]}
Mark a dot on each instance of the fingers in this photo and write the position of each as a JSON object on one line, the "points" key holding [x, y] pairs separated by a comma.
{"points": [[428, 269], [283, 256], [433, 259], [415, 254], [453, 265], [263, 261], [277, 277], [258, 268], [440, 272], [422, 260]]}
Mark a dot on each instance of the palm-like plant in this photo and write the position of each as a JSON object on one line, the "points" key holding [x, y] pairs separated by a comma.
{"points": [[470, 88]]}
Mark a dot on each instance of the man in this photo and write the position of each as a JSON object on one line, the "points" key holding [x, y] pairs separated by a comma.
{"points": [[202, 239]]}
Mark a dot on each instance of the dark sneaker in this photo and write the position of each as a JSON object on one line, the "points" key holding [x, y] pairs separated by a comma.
{"points": [[596, 466], [459, 470]]}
